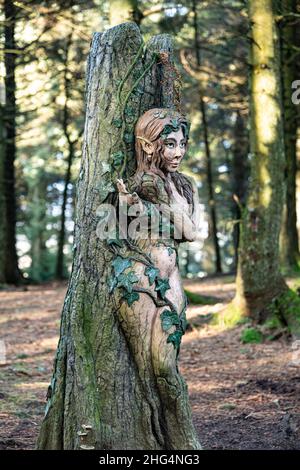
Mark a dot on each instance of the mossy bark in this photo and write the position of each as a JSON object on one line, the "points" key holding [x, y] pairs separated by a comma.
{"points": [[240, 173], [12, 272], [289, 246], [2, 198], [259, 279], [98, 397]]}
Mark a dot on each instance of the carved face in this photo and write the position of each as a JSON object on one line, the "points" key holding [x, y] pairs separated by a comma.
{"points": [[174, 150]]}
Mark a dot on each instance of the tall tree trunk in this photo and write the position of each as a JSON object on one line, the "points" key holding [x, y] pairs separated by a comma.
{"points": [[289, 235], [210, 184], [261, 289], [67, 179], [12, 273], [124, 10], [240, 170], [2, 197], [97, 396], [39, 269]]}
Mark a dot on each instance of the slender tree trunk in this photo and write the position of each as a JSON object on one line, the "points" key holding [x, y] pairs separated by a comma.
{"points": [[240, 172], [97, 398], [39, 267], [121, 11], [2, 197], [259, 281], [289, 234], [67, 179], [12, 273], [210, 184]]}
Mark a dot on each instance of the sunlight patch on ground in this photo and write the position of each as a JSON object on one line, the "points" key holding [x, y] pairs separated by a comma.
{"points": [[32, 385]]}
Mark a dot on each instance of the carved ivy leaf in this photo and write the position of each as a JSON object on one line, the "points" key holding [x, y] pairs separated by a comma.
{"points": [[120, 264], [129, 112], [112, 282], [152, 274], [128, 138], [117, 158], [162, 285], [115, 241], [174, 123], [168, 319], [170, 250], [138, 91], [117, 123], [183, 321], [127, 280], [131, 297], [175, 338]]}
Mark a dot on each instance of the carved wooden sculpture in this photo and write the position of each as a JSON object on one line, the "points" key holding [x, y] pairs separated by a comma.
{"points": [[152, 311], [116, 383]]}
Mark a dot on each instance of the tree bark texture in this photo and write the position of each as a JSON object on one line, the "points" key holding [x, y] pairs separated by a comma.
{"points": [[2, 197], [209, 172], [240, 173], [98, 396], [12, 273], [289, 234], [259, 279]]}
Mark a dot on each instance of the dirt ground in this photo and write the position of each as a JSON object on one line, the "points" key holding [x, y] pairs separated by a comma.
{"points": [[242, 396]]}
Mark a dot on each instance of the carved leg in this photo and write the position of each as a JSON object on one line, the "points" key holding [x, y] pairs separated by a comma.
{"points": [[172, 386], [136, 322]]}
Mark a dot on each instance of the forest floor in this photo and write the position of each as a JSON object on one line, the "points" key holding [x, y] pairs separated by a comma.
{"points": [[243, 396]]}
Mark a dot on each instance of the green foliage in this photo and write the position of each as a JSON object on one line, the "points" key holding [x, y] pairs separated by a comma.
{"points": [[229, 317], [169, 319], [175, 339], [162, 285], [251, 335], [131, 297], [152, 273], [198, 299], [128, 137], [286, 308], [127, 280], [118, 158], [120, 264], [117, 123], [183, 321]]}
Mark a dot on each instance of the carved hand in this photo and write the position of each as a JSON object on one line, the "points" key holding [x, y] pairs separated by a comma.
{"points": [[124, 194]]}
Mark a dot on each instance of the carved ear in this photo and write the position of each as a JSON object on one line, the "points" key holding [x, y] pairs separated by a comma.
{"points": [[148, 147]]}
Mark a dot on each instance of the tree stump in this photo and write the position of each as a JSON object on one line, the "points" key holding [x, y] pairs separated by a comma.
{"points": [[97, 399]]}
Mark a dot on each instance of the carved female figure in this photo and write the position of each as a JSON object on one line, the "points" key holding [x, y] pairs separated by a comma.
{"points": [[152, 308]]}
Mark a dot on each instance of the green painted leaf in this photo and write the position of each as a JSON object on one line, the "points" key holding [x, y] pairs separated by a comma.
{"points": [[168, 319], [118, 158], [152, 273], [127, 280], [115, 241], [112, 282], [167, 130], [131, 297], [183, 321], [104, 188], [120, 264], [128, 138], [162, 285], [175, 123], [175, 338], [138, 91], [129, 112], [117, 123]]}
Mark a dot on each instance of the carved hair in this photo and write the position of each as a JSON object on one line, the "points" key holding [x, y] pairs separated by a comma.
{"points": [[154, 126]]}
